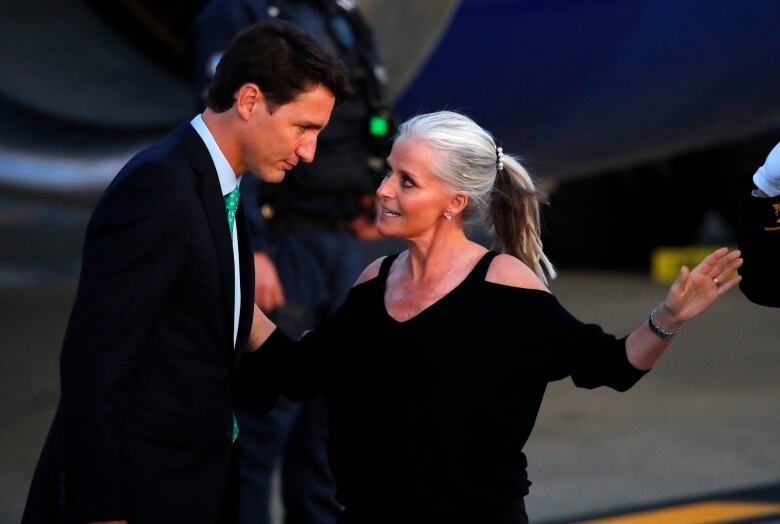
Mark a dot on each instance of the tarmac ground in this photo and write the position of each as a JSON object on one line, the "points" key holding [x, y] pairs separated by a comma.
{"points": [[705, 422]]}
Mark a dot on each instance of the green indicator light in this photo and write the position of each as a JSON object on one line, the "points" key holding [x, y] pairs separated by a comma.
{"points": [[378, 126]]}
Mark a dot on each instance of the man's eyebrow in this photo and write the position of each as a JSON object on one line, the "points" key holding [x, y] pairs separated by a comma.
{"points": [[310, 125]]}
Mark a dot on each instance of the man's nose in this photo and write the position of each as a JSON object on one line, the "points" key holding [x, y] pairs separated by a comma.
{"points": [[306, 149]]}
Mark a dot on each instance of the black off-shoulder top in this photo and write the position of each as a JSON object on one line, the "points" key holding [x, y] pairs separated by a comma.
{"points": [[428, 417]]}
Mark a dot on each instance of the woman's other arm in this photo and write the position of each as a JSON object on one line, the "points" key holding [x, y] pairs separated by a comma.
{"points": [[689, 296]]}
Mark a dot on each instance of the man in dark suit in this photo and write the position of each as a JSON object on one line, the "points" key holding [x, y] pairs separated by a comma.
{"points": [[306, 237], [760, 235], [144, 430]]}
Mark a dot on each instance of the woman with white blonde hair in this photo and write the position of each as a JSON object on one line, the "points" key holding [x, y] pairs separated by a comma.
{"points": [[436, 365]]}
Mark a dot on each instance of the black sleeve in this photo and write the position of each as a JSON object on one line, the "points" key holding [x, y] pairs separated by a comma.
{"points": [[132, 253], [759, 241], [295, 369], [583, 351]]}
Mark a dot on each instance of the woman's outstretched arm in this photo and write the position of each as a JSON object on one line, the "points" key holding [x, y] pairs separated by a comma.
{"points": [[275, 364], [691, 294], [262, 327]]}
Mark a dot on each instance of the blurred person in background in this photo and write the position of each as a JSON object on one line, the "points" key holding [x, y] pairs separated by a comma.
{"points": [[306, 239], [759, 237], [436, 365]]}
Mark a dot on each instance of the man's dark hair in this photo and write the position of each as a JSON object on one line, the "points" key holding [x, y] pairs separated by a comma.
{"points": [[282, 60]]}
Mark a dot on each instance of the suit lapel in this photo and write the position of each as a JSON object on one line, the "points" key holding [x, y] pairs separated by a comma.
{"points": [[214, 206]]}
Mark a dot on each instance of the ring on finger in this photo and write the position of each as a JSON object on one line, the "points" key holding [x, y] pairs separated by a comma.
{"points": [[717, 281]]}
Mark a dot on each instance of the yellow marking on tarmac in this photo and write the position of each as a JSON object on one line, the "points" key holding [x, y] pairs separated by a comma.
{"points": [[714, 512], [665, 262]]}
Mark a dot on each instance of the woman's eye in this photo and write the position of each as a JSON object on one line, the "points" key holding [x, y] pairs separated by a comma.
{"points": [[407, 182]]}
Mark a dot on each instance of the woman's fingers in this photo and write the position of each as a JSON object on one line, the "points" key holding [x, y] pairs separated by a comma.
{"points": [[726, 267], [728, 285], [679, 285], [721, 265], [709, 264], [685, 273], [716, 264], [730, 268], [677, 290]]}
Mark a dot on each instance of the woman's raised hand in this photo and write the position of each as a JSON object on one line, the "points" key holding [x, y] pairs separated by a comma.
{"points": [[696, 290]]}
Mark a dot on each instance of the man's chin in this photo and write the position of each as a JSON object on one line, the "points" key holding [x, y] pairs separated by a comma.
{"points": [[274, 177]]}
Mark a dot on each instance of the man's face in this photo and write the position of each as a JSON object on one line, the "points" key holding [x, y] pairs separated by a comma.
{"points": [[274, 143]]}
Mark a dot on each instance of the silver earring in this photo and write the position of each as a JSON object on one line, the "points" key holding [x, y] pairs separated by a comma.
{"points": [[448, 216]]}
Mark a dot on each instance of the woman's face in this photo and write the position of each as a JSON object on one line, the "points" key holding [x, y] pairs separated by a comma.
{"points": [[411, 200]]}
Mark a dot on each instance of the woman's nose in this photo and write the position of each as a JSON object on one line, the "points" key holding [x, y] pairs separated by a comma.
{"points": [[383, 191]]}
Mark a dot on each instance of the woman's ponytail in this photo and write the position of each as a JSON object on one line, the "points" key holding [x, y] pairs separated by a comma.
{"points": [[515, 217]]}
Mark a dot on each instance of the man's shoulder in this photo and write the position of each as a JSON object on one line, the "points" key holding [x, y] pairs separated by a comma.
{"points": [[169, 152], [156, 180], [165, 164]]}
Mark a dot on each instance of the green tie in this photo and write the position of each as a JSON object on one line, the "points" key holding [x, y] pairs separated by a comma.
{"points": [[231, 204]]}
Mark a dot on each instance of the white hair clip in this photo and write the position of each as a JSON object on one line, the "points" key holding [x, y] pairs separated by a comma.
{"points": [[500, 158]]}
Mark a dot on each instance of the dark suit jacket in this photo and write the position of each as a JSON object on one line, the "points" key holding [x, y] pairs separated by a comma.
{"points": [[145, 415], [760, 244]]}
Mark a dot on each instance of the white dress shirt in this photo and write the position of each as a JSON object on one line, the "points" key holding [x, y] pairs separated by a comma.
{"points": [[228, 181]]}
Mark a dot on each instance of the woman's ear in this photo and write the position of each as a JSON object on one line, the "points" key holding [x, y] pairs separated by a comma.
{"points": [[457, 204]]}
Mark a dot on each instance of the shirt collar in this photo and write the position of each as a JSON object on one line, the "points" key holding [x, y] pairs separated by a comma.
{"points": [[227, 177]]}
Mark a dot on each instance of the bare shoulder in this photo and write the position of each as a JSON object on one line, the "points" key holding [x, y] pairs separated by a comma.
{"points": [[371, 271], [511, 271]]}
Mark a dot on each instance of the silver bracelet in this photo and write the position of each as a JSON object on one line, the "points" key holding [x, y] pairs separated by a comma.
{"points": [[658, 330]]}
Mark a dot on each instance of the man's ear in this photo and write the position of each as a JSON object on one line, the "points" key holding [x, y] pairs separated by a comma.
{"points": [[249, 99], [457, 204]]}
